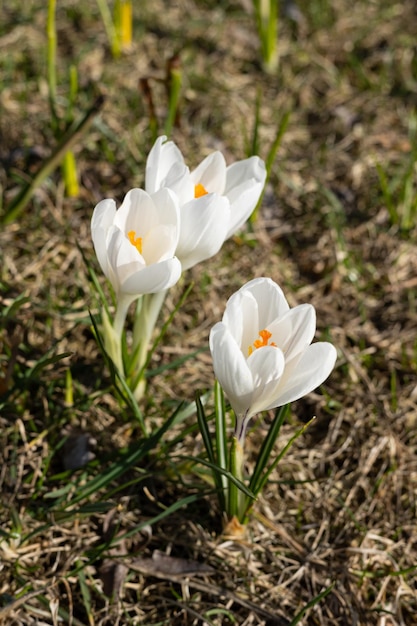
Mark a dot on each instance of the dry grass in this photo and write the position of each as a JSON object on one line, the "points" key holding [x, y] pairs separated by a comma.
{"points": [[340, 514]]}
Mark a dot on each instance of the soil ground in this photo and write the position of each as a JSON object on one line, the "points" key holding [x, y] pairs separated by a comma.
{"points": [[338, 517]]}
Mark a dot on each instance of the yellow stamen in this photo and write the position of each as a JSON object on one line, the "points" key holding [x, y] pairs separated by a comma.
{"points": [[199, 191], [265, 336], [135, 241]]}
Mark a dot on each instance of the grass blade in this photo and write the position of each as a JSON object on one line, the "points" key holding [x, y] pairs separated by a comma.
{"points": [[206, 436], [224, 472], [263, 480], [122, 465], [311, 604], [221, 435], [267, 447], [69, 139], [271, 158]]}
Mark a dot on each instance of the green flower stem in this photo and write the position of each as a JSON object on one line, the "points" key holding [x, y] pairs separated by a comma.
{"points": [[240, 428], [123, 305], [236, 469], [112, 342], [145, 321], [147, 315], [113, 333]]}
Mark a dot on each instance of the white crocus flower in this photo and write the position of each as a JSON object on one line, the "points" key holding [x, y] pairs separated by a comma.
{"points": [[215, 199], [135, 245], [262, 352]]}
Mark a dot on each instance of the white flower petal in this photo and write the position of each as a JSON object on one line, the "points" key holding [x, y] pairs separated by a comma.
{"points": [[101, 221], [99, 237], [307, 373], [159, 244], [294, 331], [243, 202], [267, 366], [120, 251], [163, 156], [137, 213], [153, 278], [211, 173], [103, 215], [245, 181], [241, 171], [179, 181], [203, 228], [166, 206], [231, 369], [123, 258], [242, 318], [270, 298]]}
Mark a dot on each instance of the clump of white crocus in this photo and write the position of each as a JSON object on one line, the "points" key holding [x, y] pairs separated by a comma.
{"points": [[215, 199], [262, 350], [263, 358], [135, 247]]}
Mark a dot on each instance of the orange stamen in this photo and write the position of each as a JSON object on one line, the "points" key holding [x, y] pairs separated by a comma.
{"points": [[265, 336], [135, 241], [199, 191]]}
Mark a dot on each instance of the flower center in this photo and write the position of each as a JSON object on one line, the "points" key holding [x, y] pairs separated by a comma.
{"points": [[265, 336], [199, 190], [135, 241]]}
